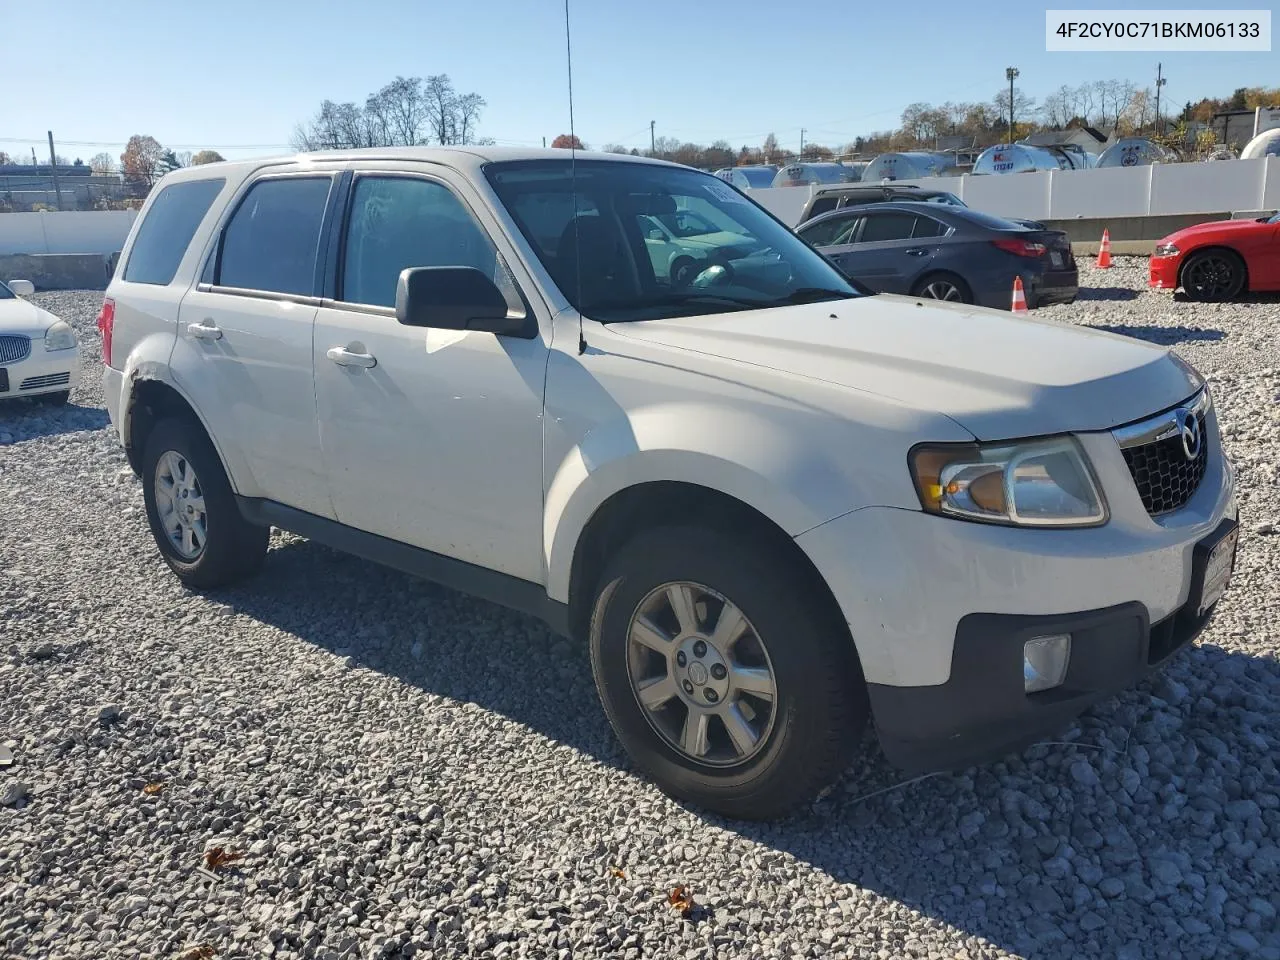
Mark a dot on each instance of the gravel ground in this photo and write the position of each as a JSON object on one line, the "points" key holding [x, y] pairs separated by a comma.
{"points": [[413, 773]]}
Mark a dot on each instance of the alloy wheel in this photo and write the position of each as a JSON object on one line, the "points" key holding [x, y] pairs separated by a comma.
{"points": [[701, 674], [1211, 278], [942, 290], [180, 505]]}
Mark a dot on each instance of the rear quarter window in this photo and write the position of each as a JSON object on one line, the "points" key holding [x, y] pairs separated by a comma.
{"points": [[167, 229]]}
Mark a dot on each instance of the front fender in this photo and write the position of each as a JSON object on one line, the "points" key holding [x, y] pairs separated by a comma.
{"points": [[780, 473]]}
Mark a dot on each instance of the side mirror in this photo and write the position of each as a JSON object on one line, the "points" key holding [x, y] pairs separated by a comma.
{"points": [[23, 288], [453, 298], [655, 234]]}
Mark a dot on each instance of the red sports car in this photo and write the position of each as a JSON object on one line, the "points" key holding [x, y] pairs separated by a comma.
{"points": [[1219, 260]]}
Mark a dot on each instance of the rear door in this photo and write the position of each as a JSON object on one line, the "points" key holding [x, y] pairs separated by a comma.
{"points": [[247, 362], [884, 256]]}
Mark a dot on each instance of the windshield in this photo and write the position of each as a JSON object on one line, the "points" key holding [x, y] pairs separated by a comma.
{"points": [[606, 256], [1274, 218], [6, 293]]}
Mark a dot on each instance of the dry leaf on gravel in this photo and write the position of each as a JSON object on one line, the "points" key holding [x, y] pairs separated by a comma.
{"points": [[202, 952], [216, 858], [151, 789], [617, 873], [681, 898]]}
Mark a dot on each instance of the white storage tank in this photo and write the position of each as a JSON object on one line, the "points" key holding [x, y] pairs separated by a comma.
{"points": [[1265, 144], [1134, 152], [1025, 158], [907, 166]]}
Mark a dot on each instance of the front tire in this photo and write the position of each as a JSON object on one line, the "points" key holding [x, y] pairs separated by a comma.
{"points": [[725, 672], [192, 511], [1213, 276]]}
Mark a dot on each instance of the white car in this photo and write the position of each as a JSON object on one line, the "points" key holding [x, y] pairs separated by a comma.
{"points": [[773, 505], [39, 354], [683, 242]]}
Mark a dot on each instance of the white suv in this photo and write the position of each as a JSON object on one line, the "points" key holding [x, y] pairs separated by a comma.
{"points": [[773, 504]]}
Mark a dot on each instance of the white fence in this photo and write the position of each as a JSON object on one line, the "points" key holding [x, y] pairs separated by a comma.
{"points": [[87, 231], [1220, 186]]}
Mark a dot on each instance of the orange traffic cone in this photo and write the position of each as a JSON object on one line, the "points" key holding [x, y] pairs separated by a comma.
{"points": [[1019, 298], [1104, 251]]}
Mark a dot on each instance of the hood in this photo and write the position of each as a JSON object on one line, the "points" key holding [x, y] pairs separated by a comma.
{"points": [[21, 317], [1216, 228], [998, 376]]}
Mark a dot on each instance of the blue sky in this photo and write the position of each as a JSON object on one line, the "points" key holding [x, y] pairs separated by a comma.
{"points": [[735, 69]]}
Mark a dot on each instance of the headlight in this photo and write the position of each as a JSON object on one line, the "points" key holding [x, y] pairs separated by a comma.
{"points": [[1166, 250], [59, 337], [1035, 483]]}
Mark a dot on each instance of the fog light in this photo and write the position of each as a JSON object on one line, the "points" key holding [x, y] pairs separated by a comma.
{"points": [[1044, 662]]}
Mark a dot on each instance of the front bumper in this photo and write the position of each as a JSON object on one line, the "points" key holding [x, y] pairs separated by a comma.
{"points": [[40, 372], [1162, 273], [932, 602], [981, 713]]}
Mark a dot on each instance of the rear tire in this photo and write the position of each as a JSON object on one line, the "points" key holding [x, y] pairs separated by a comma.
{"points": [[943, 286], [192, 511], [784, 699], [1213, 276]]}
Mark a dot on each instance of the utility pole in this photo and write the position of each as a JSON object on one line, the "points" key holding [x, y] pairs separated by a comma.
{"points": [[53, 163], [653, 143], [1011, 74], [544, 143], [802, 143], [1160, 82]]}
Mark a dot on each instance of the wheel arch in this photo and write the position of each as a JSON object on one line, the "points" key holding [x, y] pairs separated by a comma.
{"points": [[152, 398], [675, 502], [1219, 248]]}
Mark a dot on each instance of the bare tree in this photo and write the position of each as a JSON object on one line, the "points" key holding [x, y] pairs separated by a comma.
{"points": [[402, 111], [102, 164], [441, 103], [467, 108], [406, 112]]}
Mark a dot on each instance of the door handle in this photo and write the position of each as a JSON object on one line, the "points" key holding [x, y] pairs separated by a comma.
{"points": [[916, 252], [204, 330], [345, 358]]}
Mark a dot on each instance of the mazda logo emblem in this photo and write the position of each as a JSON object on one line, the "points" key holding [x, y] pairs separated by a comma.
{"points": [[1189, 430]]}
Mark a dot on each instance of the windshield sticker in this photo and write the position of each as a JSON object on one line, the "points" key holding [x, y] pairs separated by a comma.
{"points": [[724, 193]]}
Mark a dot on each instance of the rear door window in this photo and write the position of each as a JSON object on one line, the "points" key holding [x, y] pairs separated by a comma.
{"points": [[166, 232], [272, 240], [887, 226]]}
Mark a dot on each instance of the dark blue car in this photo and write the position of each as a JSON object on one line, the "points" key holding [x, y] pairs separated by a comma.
{"points": [[945, 252]]}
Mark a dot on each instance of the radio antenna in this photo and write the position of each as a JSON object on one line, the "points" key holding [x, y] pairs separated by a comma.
{"points": [[573, 180]]}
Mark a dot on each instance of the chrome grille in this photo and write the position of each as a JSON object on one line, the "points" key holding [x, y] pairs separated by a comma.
{"points": [[1156, 449], [48, 380], [14, 348]]}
